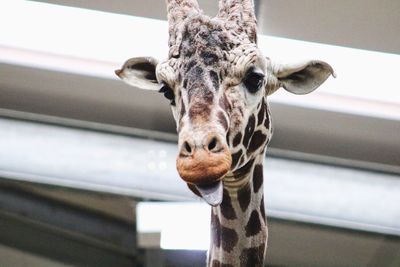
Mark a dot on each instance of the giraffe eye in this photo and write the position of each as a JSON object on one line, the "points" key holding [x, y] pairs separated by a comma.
{"points": [[168, 93], [254, 80]]}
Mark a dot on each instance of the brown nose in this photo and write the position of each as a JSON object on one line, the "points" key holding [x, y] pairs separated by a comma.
{"points": [[203, 161]]}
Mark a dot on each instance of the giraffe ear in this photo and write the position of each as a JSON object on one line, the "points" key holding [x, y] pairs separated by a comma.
{"points": [[302, 78], [140, 72]]}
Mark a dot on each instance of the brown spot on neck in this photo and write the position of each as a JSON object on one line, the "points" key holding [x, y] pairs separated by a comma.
{"points": [[215, 230], [257, 140], [252, 257], [237, 139], [261, 114], [257, 177], [227, 209], [235, 158], [243, 171], [229, 238], [249, 130], [253, 225], [267, 122], [262, 210], [244, 197]]}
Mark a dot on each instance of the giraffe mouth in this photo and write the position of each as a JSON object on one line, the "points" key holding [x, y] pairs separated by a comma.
{"points": [[211, 193]]}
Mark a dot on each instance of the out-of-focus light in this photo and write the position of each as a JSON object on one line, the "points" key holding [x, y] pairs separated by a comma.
{"points": [[180, 225]]}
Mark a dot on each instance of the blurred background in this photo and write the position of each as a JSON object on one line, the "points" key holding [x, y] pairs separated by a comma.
{"points": [[87, 163]]}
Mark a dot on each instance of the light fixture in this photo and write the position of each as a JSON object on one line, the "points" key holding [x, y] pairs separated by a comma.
{"points": [[173, 225]]}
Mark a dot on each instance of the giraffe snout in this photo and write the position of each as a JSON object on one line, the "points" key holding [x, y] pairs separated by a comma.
{"points": [[204, 161]]}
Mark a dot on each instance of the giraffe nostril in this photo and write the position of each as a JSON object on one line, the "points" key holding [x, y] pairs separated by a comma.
{"points": [[187, 148], [215, 145]]}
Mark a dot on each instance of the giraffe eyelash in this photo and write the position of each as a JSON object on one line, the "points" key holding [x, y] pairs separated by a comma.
{"points": [[168, 93]]}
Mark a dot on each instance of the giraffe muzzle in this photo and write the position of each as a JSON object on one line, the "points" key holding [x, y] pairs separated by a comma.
{"points": [[204, 165]]}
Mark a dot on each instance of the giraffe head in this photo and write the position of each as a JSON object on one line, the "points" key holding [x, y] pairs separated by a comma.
{"points": [[217, 82]]}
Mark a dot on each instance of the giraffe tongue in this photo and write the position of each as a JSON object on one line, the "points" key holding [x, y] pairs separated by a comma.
{"points": [[211, 193]]}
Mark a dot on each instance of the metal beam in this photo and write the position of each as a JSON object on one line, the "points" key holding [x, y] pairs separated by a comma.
{"points": [[144, 168], [84, 226], [51, 244]]}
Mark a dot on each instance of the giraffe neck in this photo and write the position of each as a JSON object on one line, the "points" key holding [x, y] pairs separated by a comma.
{"points": [[238, 225]]}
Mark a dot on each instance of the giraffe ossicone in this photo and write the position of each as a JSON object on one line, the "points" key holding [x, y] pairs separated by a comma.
{"points": [[217, 82]]}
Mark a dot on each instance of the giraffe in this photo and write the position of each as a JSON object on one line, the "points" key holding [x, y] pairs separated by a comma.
{"points": [[217, 82]]}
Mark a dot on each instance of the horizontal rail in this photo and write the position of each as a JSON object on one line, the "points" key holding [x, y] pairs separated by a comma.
{"points": [[145, 168]]}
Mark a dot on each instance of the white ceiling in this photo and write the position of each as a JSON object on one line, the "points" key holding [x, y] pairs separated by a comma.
{"points": [[365, 24]]}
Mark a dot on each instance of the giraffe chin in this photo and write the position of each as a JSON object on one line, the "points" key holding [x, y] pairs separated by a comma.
{"points": [[211, 193]]}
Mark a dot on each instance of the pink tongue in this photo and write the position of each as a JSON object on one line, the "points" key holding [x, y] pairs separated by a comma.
{"points": [[211, 193]]}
